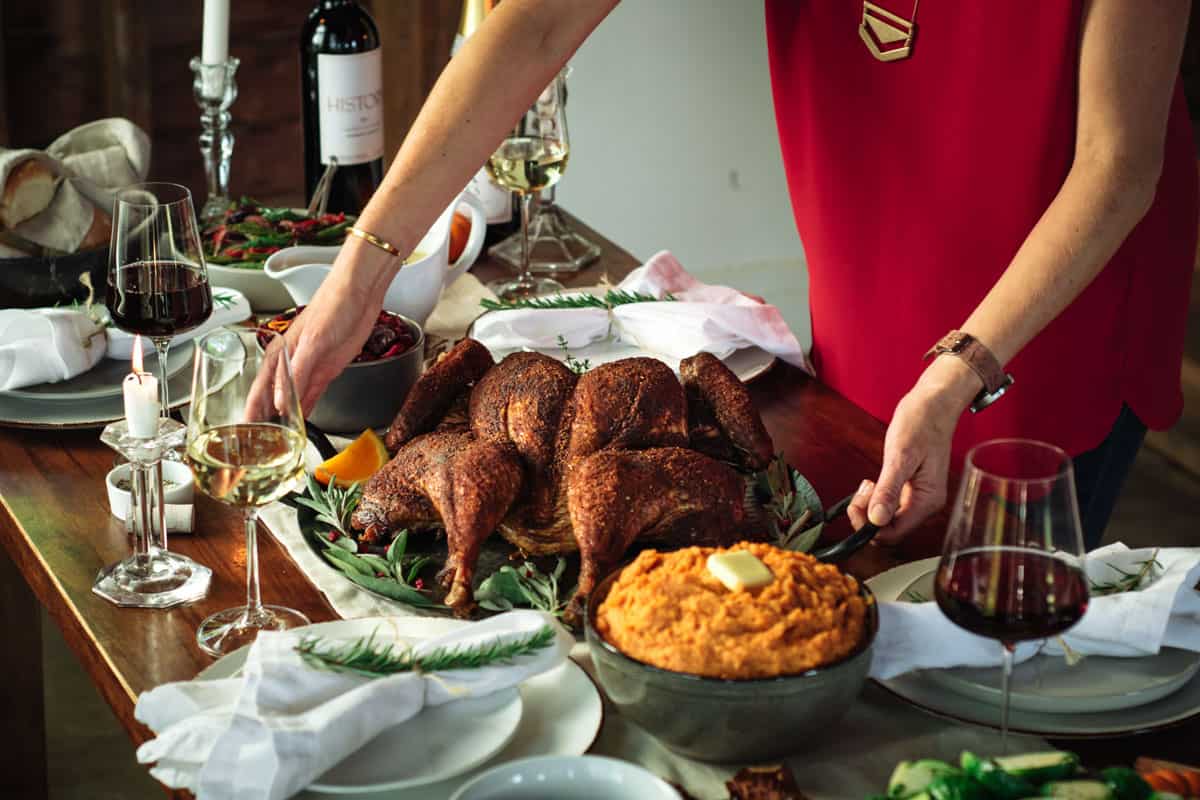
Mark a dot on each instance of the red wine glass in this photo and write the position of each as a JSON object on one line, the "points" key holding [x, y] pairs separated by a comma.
{"points": [[1012, 565], [157, 281]]}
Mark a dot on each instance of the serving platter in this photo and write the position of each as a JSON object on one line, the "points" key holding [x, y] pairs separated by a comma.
{"points": [[560, 713], [68, 413], [965, 696]]}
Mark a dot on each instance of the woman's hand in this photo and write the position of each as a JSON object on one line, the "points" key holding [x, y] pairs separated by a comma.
{"points": [[916, 452]]}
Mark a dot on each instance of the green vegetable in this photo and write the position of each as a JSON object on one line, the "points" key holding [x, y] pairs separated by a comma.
{"points": [[1126, 784], [333, 232], [956, 787], [999, 784], [791, 504], [1038, 768], [1166, 796], [1078, 790], [910, 778]]}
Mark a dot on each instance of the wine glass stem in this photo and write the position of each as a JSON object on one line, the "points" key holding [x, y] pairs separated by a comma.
{"points": [[526, 276], [161, 345], [1005, 685], [253, 594]]}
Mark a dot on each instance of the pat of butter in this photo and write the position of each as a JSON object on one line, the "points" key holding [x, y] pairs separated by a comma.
{"points": [[739, 569]]}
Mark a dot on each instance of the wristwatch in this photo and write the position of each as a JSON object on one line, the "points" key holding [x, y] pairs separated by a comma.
{"points": [[981, 361]]}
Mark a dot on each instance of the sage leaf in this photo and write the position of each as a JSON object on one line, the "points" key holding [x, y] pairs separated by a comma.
{"points": [[393, 590]]}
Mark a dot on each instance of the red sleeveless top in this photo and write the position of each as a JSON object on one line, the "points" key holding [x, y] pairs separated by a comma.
{"points": [[914, 183]]}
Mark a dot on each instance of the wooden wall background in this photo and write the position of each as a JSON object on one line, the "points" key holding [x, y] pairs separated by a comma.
{"points": [[67, 62]]}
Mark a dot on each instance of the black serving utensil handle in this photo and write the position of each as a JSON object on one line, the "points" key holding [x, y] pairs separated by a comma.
{"points": [[320, 441], [852, 543]]}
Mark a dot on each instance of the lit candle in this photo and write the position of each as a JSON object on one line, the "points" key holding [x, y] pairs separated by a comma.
{"points": [[141, 397], [214, 47]]}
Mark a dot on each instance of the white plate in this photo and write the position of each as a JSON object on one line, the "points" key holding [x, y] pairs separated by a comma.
{"points": [[748, 363], [88, 412], [561, 712], [104, 379], [1048, 683], [927, 689]]}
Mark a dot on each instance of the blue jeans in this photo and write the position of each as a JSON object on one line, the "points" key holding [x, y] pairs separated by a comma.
{"points": [[1100, 473]]}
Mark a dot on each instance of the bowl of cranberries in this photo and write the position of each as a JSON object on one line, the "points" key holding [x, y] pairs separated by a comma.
{"points": [[372, 388]]}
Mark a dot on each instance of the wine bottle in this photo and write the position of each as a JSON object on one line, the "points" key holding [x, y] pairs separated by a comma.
{"points": [[500, 207], [341, 76]]}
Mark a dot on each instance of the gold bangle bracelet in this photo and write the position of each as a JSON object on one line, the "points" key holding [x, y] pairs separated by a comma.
{"points": [[371, 238]]}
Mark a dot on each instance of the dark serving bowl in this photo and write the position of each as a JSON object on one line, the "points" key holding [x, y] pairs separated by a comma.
{"points": [[368, 394], [714, 719], [35, 282]]}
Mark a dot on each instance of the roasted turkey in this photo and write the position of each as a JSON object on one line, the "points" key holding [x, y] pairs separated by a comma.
{"points": [[559, 462]]}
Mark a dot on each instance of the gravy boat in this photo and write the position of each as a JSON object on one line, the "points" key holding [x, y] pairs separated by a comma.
{"points": [[417, 286]]}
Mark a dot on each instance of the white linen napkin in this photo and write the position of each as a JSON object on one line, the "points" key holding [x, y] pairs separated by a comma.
{"points": [[47, 345], [270, 732], [1166, 613], [716, 319], [229, 306]]}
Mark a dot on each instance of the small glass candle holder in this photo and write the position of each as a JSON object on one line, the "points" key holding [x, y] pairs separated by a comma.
{"points": [[151, 577], [215, 90]]}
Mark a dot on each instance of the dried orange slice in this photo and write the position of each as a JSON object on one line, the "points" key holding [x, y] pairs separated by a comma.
{"points": [[359, 461]]}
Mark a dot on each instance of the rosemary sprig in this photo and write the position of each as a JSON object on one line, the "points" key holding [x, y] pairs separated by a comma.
{"points": [[1129, 581], [333, 505], [913, 596], [524, 586], [573, 363], [371, 658], [611, 299]]}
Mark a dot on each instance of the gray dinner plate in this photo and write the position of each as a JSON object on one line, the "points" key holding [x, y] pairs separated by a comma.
{"points": [[929, 691]]}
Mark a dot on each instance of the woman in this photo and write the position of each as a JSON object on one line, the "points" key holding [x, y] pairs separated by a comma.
{"points": [[1023, 173]]}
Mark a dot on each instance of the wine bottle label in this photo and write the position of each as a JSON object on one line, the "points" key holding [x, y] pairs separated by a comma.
{"points": [[496, 202], [351, 106]]}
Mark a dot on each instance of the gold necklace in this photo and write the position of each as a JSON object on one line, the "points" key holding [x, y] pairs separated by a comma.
{"points": [[888, 36]]}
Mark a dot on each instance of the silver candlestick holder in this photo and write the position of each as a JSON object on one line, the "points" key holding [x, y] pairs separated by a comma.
{"points": [[215, 90], [152, 577]]}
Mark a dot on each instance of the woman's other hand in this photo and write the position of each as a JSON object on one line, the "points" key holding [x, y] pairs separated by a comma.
{"points": [[916, 452]]}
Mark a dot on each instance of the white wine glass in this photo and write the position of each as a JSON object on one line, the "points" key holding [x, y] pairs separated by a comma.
{"points": [[246, 449], [1012, 566], [531, 158]]}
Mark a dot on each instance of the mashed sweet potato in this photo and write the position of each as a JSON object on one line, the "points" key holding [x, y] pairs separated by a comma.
{"points": [[668, 610]]}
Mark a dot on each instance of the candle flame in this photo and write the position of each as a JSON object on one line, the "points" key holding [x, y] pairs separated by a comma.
{"points": [[137, 354]]}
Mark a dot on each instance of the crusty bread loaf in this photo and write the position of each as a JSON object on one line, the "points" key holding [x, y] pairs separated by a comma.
{"points": [[28, 190], [97, 235]]}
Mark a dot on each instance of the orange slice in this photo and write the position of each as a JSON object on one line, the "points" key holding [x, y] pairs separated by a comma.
{"points": [[362, 459], [460, 231]]}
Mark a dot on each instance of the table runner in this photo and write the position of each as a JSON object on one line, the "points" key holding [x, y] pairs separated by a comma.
{"points": [[853, 762]]}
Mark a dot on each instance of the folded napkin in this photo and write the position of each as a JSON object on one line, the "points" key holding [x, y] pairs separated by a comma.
{"points": [[229, 306], [47, 345], [716, 319], [1166, 613], [280, 725]]}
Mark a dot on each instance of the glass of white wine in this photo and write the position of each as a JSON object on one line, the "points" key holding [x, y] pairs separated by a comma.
{"points": [[246, 448], [532, 158]]}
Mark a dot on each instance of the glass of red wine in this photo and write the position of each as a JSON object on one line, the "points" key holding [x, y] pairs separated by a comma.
{"points": [[157, 281], [1012, 566]]}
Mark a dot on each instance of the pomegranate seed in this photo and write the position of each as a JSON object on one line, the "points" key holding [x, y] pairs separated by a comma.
{"points": [[420, 584], [333, 536]]}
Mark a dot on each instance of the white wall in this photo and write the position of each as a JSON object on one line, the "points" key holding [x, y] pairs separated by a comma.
{"points": [[673, 145]]}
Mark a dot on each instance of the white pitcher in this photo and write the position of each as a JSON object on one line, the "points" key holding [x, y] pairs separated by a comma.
{"points": [[416, 288]]}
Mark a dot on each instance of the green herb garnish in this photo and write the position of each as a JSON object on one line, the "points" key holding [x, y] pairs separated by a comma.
{"points": [[333, 504], [573, 363], [791, 504], [611, 299], [525, 586], [1128, 581], [374, 659]]}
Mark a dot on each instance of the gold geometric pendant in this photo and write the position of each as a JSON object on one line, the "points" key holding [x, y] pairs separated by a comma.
{"points": [[889, 37]]}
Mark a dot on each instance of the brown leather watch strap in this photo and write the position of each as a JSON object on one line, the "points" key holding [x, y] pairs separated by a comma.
{"points": [[981, 360]]}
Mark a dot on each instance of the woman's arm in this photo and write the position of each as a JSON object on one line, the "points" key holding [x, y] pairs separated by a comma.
{"points": [[465, 116], [1128, 61]]}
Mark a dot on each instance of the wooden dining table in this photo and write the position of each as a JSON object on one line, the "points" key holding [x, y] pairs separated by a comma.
{"points": [[57, 532]]}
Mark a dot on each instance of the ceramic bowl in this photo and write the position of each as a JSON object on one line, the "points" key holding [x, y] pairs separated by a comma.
{"points": [[299, 271], [558, 777], [712, 719], [368, 394], [174, 472], [263, 292]]}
